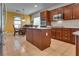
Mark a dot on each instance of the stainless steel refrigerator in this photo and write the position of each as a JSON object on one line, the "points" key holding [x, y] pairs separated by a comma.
{"points": [[0, 29], [2, 19]]}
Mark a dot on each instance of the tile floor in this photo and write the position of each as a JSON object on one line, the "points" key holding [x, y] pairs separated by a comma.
{"points": [[18, 46]]}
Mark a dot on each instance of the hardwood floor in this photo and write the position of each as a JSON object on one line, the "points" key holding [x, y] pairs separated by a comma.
{"points": [[18, 46]]}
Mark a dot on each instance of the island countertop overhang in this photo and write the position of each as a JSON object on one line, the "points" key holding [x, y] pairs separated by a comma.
{"points": [[76, 33]]}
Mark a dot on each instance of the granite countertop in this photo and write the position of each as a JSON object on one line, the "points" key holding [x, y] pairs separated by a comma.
{"points": [[40, 27], [63, 27], [76, 33]]}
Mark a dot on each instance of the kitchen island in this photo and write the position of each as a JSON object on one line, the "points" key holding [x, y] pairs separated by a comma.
{"points": [[77, 42], [40, 37]]}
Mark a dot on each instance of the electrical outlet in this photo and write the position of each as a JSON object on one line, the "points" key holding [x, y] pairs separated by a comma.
{"points": [[46, 34]]}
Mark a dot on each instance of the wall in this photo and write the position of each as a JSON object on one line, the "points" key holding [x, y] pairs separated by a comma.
{"points": [[0, 17], [10, 18], [67, 23]]}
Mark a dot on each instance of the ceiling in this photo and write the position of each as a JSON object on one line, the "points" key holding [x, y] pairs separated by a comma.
{"points": [[29, 7]]}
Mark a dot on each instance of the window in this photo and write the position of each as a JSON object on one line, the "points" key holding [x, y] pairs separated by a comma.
{"points": [[36, 21], [17, 22]]}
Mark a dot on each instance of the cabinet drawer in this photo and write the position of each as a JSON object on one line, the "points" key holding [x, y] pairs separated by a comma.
{"points": [[67, 39], [66, 34]]}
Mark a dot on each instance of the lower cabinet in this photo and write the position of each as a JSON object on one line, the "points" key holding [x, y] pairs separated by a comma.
{"points": [[64, 34], [41, 38], [53, 33], [29, 35], [37, 38], [58, 33], [77, 45], [46, 36], [72, 36]]}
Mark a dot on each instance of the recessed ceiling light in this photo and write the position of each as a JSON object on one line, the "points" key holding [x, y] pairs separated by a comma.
{"points": [[35, 5]]}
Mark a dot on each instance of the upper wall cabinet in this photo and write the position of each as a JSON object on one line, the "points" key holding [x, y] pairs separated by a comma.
{"points": [[76, 11], [60, 10], [52, 13], [45, 16], [68, 12], [55, 12]]}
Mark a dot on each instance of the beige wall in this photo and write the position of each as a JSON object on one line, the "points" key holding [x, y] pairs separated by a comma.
{"points": [[10, 18]]}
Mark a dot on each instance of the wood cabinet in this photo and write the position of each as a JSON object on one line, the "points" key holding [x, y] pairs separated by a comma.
{"points": [[36, 40], [60, 10], [55, 12], [41, 38], [76, 34], [52, 13], [77, 45], [68, 12], [45, 16], [29, 35], [64, 34], [76, 11], [53, 33], [72, 36], [46, 38], [58, 33]]}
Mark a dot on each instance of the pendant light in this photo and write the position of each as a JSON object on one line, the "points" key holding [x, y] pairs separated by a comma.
{"points": [[23, 16]]}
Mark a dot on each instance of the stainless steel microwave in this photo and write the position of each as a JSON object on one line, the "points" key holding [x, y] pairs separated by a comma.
{"points": [[58, 17]]}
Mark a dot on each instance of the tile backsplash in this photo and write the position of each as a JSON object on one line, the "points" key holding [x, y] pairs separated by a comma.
{"points": [[66, 23]]}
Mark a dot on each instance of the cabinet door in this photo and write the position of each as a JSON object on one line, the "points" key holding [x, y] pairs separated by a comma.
{"points": [[77, 45], [66, 35], [37, 38], [46, 38], [58, 33], [60, 10], [29, 35], [53, 33], [68, 12], [45, 16], [76, 11], [52, 13], [72, 36]]}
